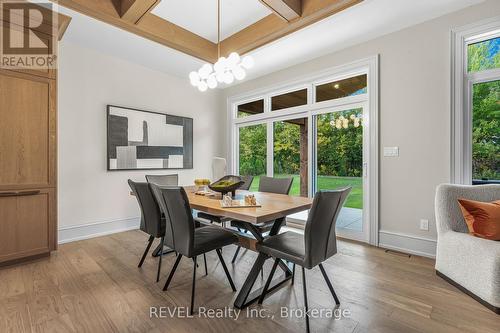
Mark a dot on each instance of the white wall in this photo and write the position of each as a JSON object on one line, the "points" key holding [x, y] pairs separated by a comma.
{"points": [[414, 115], [88, 81]]}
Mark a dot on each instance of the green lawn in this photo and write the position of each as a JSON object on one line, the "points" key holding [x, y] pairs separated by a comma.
{"points": [[355, 199]]}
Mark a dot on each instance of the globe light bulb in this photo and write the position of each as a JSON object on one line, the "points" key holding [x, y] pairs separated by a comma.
{"points": [[233, 59], [205, 71], [194, 77], [202, 86], [220, 76], [212, 82], [239, 73], [220, 65], [247, 62], [228, 78]]}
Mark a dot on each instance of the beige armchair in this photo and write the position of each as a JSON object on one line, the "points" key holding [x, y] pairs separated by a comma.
{"points": [[470, 263]]}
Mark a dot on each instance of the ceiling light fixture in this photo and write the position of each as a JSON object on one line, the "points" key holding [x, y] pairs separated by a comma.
{"points": [[225, 70]]}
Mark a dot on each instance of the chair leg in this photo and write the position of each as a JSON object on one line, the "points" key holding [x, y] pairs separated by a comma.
{"points": [[329, 284], [235, 254], [171, 275], [162, 242], [239, 247], [305, 298], [150, 241], [205, 260], [225, 269], [268, 282], [293, 274], [193, 286]]}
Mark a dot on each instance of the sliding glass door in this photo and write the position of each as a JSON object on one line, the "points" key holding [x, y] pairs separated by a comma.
{"points": [[322, 132], [339, 163]]}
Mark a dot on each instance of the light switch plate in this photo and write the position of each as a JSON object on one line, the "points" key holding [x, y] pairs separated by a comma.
{"points": [[391, 151]]}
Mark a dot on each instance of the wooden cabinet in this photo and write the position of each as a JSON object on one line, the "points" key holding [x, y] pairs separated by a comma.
{"points": [[28, 165], [27, 220], [28, 145]]}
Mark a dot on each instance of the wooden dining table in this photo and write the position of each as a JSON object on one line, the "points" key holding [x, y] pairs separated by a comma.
{"points": [[273, 207]]}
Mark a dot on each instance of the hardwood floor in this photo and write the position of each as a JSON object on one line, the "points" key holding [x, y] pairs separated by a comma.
{"points": [[95, 286]]}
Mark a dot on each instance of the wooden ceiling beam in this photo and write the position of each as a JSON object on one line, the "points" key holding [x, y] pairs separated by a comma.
{"points": [[133, 10], [288, 10], [272, 27], [149, 26], [63, 21]]}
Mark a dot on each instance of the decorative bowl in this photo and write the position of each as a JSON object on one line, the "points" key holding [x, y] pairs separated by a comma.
{"points": [[227, 184]]}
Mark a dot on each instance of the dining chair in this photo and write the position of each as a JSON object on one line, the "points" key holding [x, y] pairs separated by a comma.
{"points": [[152, 221], [317, 245], [163, 180], [270, 185], [184, 238], [221, 219]]}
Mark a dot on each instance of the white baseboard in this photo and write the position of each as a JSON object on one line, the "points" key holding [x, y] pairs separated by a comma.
{"points": [[84, 231], [420, 246]]}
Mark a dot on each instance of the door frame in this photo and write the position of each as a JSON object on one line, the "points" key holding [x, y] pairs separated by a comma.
{"points": [[370, 102]]}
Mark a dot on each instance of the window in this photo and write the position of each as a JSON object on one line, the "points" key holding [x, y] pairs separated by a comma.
{"points": [[289, 100], [342, 88], [486, 132], [253, 152], [250, 108], [476, 104]]}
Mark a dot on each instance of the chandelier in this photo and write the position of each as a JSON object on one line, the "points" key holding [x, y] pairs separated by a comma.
{"points": [[343, 122], [225, 70]]}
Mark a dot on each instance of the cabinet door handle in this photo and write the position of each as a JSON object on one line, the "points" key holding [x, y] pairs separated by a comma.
{"points": [[19, 194], [25, 193]]}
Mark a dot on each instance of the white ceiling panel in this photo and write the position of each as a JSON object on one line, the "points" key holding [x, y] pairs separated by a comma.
{"points": [[200, 16]]}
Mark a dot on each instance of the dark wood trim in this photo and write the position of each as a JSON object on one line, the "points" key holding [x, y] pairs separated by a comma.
{"points": [[468, 292]]}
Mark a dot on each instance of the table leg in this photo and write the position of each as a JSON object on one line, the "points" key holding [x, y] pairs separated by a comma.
{"points": [[245, 296]]}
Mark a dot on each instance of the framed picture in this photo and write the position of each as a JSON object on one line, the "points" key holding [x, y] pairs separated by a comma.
{"points": [[145, 140]]}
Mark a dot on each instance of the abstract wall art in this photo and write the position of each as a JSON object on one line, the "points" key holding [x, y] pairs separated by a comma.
{"points": [[145, 140]]}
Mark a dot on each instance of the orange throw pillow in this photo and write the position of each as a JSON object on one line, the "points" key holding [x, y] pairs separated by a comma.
{"points": [[482, 218]]}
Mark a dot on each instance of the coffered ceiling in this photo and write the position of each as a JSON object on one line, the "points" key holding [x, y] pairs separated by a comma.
{"points": [[189, 26], [366, 21]]}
